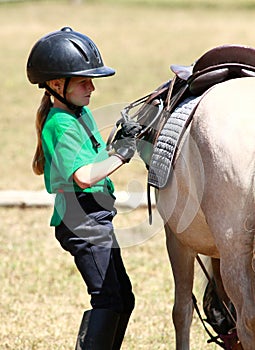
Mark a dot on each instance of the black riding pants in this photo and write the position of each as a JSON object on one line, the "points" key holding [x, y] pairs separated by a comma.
{"points": [[86, 231]]}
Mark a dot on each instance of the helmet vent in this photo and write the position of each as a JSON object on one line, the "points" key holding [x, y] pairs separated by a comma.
{"points": [[82, 52], [95, 50]]}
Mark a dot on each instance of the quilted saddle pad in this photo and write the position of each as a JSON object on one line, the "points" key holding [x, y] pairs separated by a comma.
{"points": [[167, 143]]}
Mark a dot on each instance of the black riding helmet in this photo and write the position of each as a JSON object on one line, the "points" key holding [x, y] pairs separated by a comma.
{"points": [[65, 53]]}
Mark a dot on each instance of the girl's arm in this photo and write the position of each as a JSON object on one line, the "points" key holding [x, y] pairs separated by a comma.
{"points": [[124, 146], [88, 175]]}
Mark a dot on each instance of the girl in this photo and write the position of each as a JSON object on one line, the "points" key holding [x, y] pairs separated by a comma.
{"points": [[72, 156]]}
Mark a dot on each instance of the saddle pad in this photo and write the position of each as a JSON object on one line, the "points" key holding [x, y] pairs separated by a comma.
{"points": [[166, 146]]}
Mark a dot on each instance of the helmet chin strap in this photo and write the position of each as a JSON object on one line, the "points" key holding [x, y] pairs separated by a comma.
{"points": [[76, 109], [62, 99]]}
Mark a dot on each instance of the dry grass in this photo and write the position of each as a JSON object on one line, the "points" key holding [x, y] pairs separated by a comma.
{"points": [[140, 42], [42, 295]]}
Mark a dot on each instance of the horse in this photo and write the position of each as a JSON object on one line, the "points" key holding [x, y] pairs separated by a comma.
{"points": [[208, 206], [208, 201]]}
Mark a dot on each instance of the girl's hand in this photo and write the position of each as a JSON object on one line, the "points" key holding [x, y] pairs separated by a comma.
{"points": [[128, 129], [125, 148]]}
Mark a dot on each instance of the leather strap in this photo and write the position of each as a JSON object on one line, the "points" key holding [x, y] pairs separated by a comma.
{"points": [[93, 140]]}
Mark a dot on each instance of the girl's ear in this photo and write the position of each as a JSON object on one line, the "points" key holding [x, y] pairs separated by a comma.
{"points": [[57, 85]]}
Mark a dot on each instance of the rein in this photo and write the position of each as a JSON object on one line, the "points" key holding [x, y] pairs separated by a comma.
{"points": [[139, 115], [124, 118], [154, 99]]}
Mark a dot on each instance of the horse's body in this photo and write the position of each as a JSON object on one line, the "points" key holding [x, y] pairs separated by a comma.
{"points": [[208, 205]]}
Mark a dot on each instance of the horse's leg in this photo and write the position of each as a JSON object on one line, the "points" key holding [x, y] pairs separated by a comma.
{"points": [[182, 262], [240, 286]]}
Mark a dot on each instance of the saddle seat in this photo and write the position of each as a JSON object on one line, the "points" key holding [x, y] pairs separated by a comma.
{"points": [[217, 65]]}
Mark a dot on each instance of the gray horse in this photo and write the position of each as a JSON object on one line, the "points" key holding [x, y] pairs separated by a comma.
{"points": [[208, 206]]}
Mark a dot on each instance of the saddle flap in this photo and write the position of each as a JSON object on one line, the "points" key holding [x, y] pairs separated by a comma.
{"points": [[203, 82]]}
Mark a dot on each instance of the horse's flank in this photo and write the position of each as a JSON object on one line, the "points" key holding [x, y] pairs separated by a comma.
{"points": [[215, 167], [208, 205]]}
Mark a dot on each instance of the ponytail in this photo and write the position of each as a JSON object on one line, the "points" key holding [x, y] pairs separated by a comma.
{"points": [[42, 112]]}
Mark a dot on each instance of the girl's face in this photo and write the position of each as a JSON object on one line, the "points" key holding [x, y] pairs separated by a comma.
{"points": [[78, 92]]}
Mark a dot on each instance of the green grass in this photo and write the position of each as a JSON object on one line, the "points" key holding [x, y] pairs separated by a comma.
{"points": [[42, 295]]}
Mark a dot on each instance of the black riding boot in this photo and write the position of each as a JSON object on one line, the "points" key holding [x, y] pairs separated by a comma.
{"points": [[120, 332], [97, 330]]}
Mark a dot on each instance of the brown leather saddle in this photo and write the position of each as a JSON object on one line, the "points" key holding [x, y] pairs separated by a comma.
{"points": [[217, 65]]}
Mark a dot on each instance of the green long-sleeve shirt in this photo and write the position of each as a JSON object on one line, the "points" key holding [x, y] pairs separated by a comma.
{"points": [[67, 147]]}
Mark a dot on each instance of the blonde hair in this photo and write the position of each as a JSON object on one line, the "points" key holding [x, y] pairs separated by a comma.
{"points": [[41, 115]]}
